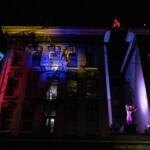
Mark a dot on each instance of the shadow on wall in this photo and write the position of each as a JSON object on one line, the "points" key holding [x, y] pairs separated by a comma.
{"points": [[27, 39]]}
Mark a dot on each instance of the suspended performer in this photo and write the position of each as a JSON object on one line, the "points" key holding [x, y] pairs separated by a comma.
{"points": [[129, 110], [65, 58]]}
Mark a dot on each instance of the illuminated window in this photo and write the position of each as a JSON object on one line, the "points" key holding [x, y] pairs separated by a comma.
{"points": [[72, 87], [54, 55], [52, 91], [50, 120], [91, 88], [73, 60], [90, 59], [12, 86]]}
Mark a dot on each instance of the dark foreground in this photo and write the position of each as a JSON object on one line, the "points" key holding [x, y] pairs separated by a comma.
{"points": [[114, 142]]}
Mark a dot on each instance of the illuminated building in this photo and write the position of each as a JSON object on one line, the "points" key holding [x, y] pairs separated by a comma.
{"points": [[107, 70], [135, 70], [41, 98]]}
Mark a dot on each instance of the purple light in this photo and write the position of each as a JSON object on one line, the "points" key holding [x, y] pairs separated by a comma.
{"points": [[143, 102], [142, 114]]}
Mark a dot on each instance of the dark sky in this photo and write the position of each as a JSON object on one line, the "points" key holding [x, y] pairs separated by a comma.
{"points": [[93, 13]]}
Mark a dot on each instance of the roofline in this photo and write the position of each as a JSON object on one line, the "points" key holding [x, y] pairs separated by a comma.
{"points": [[50, 31], [140, 31]]}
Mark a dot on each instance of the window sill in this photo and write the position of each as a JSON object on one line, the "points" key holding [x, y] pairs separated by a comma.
{"points": [[5, 131], [30, 97], [15, 68], [10, 97]]}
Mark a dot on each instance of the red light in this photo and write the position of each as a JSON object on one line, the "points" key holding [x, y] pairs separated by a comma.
{"points": [[116, 24]]}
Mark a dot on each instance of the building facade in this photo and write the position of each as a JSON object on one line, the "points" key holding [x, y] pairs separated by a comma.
{"points": [[41, 96], [135, 70]]}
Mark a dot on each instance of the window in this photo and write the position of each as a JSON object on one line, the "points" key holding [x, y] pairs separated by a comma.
{"points": [[71, 88], [73, 60], [17, 59], [32, 85], [17, 74], [92, 117], [77, 48], [54, 55], [6, 117], [72, 81], [12, 86], [27, 115], [27, 120], [58, 48], [50, 120], [39, 48], [70, 117], [91, 88], [26, 126], [5, 125], [71, 113], [7, 113], [90, 59], [36, 60], [51, 47], [52, 91]]}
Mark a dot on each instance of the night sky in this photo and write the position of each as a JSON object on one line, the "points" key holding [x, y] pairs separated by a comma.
{"points": [[93, 13]]}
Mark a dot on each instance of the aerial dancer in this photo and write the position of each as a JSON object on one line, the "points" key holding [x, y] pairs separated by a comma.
{"points": [[65, 58], [129, 110]]}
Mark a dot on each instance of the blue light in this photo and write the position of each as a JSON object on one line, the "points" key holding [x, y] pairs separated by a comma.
{"points": [[107, 36], [51, 47], [1, 56], [54, 55], [52, 74]]}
